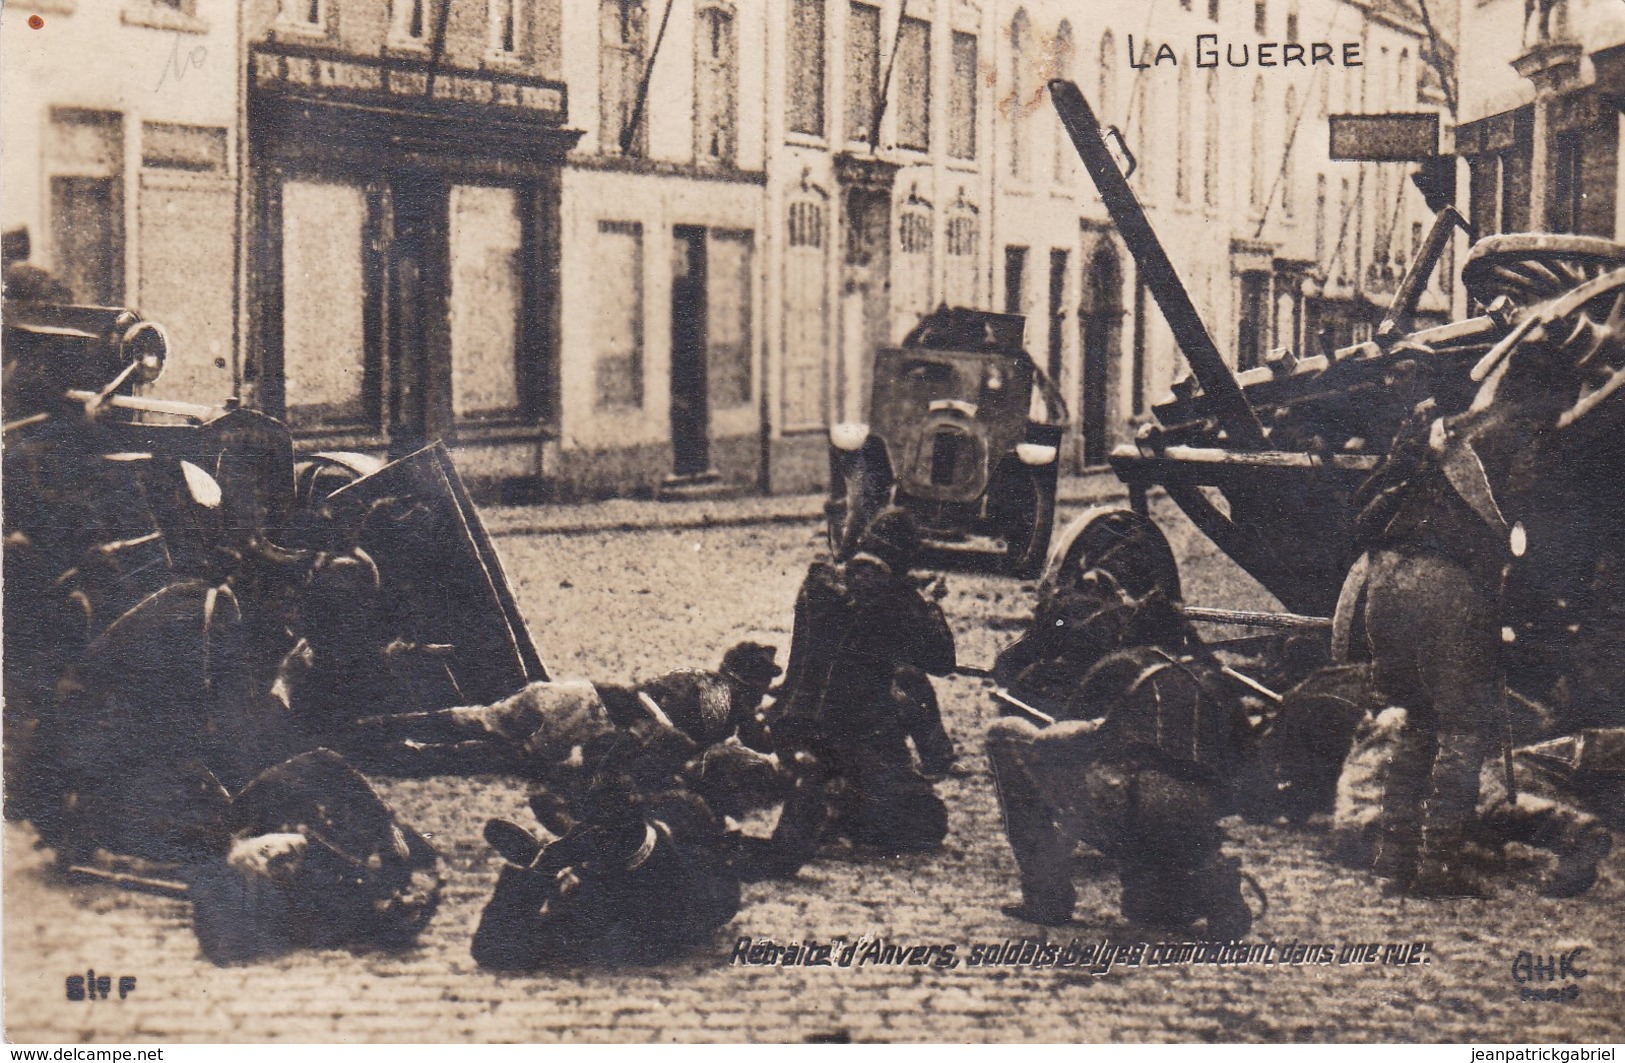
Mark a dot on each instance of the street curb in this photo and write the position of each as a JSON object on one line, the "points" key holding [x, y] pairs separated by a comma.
{"points": [[625, 515]]}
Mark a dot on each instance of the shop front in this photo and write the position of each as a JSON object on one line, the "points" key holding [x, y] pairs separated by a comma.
{"points": [[405, 244]]}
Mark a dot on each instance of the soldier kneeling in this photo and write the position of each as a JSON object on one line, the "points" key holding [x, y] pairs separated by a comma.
{"points": [[1141, 777]]}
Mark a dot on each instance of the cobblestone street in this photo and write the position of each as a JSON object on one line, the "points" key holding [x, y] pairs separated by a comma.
{"points": [[628, 600]]}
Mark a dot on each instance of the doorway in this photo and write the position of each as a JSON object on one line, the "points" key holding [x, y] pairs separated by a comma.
{"points": [[1100, 322], [420, 366], [690, 408]]}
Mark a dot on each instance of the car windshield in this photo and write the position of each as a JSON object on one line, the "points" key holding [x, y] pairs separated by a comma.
{"points": [[925, 380]]}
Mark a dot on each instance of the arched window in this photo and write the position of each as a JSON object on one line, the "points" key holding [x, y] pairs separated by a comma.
{"points": [[1256, 189], [912, 274], [961, 283], [1021, 34], [1183, 162], [1210, 146], [806, 333], [1062, 68]]}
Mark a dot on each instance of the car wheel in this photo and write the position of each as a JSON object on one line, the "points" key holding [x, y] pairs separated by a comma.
{"points": [[1027, 518]]}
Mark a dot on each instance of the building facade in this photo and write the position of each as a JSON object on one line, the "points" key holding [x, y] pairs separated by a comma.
{"points": [[644, 246], [122, 159], [1278, 245], [403, 226], [1542, 88], [879, 129], [663, 248]]}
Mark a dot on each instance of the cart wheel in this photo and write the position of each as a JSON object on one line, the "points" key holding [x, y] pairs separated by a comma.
{"points": [[861, 497], [1027, 520], [314, 481], [1529, 268], [1123, 543], [320, 475]]}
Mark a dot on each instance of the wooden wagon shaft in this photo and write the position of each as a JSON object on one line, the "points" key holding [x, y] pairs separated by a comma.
{"points": [[1156, 269], [1255, 459]]}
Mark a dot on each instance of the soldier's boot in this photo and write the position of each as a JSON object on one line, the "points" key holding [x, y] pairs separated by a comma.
{"points": [[1228, 917], [1043, 903], [1577, 861], [1444, 866], [1397, 848], [1162, 895]]}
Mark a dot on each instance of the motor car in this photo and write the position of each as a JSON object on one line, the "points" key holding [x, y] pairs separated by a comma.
{"points": [[964, 432]]}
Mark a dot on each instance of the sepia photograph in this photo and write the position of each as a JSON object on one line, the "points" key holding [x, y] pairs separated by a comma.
{"points": [[834, 521]]}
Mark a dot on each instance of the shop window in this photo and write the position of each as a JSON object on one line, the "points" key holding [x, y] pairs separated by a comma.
{"points": [[806, 328], [622, 26], [728, 318], [85, 163], [487, 301], [862, 70], [1065, 155], [805, 69], [913, 89], [324, 295], [618, 290], [962, 93], [962, 272], [1020, 79]]}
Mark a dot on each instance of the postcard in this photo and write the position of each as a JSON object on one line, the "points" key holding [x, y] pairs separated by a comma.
{"points": [[813, 521]]}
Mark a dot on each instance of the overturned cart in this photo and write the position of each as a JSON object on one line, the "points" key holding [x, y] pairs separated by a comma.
{"points": [[1269, 463], [1488, 450]]}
